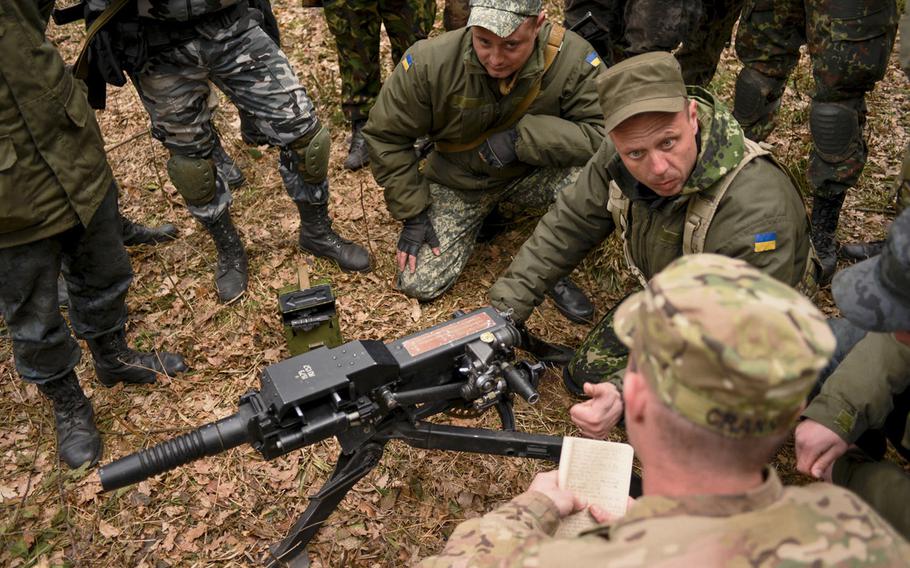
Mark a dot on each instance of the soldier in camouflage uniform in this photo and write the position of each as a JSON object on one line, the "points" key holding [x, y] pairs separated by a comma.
{"points": [[620, 29], [58, 213], [507, 126], [862, 251], [866, 400], [723, 357], [356, 25], [849, 43], [187, 44], [674, 176]]}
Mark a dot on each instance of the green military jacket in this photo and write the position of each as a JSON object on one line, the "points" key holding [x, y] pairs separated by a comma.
{"points": [[760, 206], [53, 171], [814, 525], [440, 89], [858, 395]]}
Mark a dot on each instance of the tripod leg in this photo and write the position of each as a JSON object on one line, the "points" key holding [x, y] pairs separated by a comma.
{"points": [[291, 552]]}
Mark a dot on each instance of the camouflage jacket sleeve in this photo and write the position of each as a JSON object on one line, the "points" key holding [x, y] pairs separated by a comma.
{"points": [[571, 138], [402, 114], [858, 395], [575, 224], [500, 537]]}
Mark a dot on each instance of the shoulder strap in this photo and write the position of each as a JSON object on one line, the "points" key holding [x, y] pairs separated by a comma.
{"points": [[619, 205], [80, 68], [703, 205], [554, 44]]}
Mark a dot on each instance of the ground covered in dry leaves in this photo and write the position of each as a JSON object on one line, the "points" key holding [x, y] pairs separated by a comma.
{"points": [[225, 510]]}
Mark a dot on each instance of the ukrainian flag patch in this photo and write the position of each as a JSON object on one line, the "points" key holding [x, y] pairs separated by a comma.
{"points": [[593, 59], [407, 62], [765, 242]]}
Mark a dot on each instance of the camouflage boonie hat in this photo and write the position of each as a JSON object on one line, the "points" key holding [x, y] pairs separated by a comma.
{"points": [[725, 345], [651, 82], [502, 17], [875, 294]]}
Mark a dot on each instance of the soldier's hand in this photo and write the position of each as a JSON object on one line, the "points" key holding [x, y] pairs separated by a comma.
{"points": [[597, 416], [548, 483], [602, 517], [499, 149], [817, 448], [416, 231]]}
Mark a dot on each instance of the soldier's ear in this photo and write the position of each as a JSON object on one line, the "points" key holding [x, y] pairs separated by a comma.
{"points": [[693, 113], [634, 392], [541, 18]]}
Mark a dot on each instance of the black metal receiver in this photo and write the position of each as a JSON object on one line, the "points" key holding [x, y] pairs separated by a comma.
{"points": [[366, 393]]}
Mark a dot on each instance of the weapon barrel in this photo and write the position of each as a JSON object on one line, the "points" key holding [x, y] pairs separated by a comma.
{"points": [[207, 440], [520, 384]]}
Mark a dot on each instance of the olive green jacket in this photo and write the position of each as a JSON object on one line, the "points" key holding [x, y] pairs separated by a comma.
{"points": [[858, 395], [441, 90], [760, 200], [53, 171]]}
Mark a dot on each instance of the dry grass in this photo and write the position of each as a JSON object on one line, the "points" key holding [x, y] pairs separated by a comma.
{"points": [[225, 510]]}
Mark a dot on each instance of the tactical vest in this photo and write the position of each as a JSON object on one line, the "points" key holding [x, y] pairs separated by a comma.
{"points": [[700, 213], [180, 10]]}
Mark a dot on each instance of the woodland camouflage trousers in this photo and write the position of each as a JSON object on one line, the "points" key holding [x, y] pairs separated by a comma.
{"points": [[457, 216], [849, 42], [356, 25]]}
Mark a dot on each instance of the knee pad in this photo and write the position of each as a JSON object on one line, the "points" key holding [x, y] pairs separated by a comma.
{"points": [[311, 154], [757, 97], [194, 178], [836, 131]]}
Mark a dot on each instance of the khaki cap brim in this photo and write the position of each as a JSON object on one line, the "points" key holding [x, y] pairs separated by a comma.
{"points": [[658, 104]]}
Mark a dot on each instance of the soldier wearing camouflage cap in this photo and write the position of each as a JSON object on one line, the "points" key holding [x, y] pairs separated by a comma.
{"points": [[723, 357], [510, 104], [866, 400], [674, 176]]}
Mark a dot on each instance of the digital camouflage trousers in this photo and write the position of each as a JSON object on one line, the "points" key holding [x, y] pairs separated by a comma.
{"points": [[245, 64], [356, 26], [457, 216], [849, 43]]}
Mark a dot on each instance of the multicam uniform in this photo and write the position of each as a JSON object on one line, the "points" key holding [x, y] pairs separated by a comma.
{"points": [[760, 219], [818, 524], [440, 89], [356, 25]]}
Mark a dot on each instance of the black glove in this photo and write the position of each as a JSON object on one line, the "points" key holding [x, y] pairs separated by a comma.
{"points": [[416, 231], [499, 149]]}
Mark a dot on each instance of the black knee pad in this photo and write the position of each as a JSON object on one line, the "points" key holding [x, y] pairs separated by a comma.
{"points": [[757, 96], [194, 178], [836, 130]]}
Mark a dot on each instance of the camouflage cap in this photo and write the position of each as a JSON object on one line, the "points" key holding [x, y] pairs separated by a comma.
{"points": [[725, 345], [651, 82], [502, 17], [875, 294]]}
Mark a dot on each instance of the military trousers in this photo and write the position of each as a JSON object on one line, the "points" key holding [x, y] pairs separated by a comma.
{"points": [[849, 43], [356, 26], [457, 216], [883, 485], [244, 63], [97, 272]]}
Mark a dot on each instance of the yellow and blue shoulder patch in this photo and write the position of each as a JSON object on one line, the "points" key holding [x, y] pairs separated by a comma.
{"points": [[765, 242], [407, 62], [593, 59]]}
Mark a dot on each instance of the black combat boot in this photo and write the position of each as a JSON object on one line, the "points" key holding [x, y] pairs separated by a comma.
{"points": [[358, 156], [231, 272], [138, 234], [571, 301], [318, 237], [825, 213], [78, 441], [116, 362], [862, 251], [227, 167]]}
